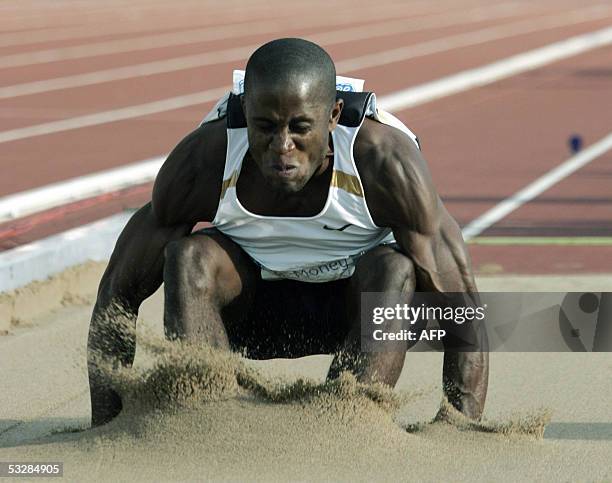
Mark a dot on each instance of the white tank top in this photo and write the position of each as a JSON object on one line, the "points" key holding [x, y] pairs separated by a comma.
{"points": [[316, 248]]}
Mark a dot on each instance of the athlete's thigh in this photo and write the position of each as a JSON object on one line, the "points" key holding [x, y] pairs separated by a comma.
{"points": [[293, 319], [386, 271], [216, 262]]}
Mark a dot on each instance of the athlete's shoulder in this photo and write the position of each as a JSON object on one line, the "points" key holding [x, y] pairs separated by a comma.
{"points": [[188, 185], [205, 142], [395, 177], [383, 149]]}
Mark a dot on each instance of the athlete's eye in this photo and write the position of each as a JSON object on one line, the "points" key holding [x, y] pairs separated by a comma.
{"points": [[265, 126], [300, 127]]}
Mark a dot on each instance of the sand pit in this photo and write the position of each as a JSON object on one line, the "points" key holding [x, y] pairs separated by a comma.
{"points": [[192, 415]]}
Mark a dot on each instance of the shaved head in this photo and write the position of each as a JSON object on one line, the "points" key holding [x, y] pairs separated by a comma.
{"points": [[291, 109], [286, 63]]}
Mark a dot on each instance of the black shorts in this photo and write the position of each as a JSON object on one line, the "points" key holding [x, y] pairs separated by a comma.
{"points": [[290, 319]]}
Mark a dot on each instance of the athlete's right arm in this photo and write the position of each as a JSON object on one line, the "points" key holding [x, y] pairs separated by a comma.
{"points": [[185, 192]]}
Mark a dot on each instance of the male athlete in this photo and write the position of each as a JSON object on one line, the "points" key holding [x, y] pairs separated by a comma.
{"points": [[315, 196]]}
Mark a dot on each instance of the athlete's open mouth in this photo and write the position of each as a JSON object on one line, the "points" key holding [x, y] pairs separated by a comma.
{"points": [[284, 170]]}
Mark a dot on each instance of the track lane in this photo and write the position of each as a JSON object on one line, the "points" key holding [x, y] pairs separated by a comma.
{"points": [[74, 72], [84, 152], [206, 64], [577, 206], [422, 69], [207, 29], [515, 147], [500, 137], [131, 23], [14, 149]]}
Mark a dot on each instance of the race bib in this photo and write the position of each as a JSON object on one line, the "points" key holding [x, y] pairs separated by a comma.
{"points": [[317, 273]]}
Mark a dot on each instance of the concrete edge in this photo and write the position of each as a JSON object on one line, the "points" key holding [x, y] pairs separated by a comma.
{"points": [[40, 259], [57, 270]]}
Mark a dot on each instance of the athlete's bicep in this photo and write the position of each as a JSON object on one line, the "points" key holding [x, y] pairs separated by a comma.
{"points": [[411, 204], [398, 182], [421, 225]]}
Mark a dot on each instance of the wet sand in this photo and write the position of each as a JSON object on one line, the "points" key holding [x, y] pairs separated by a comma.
{"points": [[213, 417]]}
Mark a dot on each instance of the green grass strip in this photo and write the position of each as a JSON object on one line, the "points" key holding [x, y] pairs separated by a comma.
{"points": [[542, 240]]}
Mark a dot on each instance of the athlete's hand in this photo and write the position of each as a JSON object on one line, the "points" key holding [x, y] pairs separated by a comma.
{"points": [[105, 404]]}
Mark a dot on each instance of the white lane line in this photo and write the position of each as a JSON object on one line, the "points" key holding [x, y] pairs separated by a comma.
{"points": [[170, 39], [128, 72], [95, 22], [114, 115], [235, 54], [36, 200], [400, 100], [476, 37], [211, 20], [495, 71], [536, 188], [79, 188]]}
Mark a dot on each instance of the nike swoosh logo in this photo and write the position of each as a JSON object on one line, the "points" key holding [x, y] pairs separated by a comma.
{"points": [[325, 227]]}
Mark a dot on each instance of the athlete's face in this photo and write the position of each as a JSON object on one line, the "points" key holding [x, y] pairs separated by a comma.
{"points": [[288, 132]]}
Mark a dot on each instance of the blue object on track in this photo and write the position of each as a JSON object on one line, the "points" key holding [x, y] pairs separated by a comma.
{"points": [[575, 143]]}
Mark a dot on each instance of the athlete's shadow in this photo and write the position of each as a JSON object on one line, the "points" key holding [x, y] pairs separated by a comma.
{"points": [[15, 433], [579, 431]]}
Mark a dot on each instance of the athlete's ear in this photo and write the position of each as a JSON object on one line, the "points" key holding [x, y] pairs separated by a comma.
{"points": [[334, 115]]}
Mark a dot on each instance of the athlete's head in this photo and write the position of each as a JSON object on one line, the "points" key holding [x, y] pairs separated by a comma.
{"points": [[290, 107]]}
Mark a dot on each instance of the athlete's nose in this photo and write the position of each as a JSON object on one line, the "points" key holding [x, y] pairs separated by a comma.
{"points": [[282, 142]]}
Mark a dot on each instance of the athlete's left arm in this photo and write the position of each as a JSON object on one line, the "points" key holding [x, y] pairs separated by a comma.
{"points": [[429, 236]]}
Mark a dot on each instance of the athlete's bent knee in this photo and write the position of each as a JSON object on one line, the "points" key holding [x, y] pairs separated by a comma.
{"points": [[386, 269], [191, 260], [395, 262]]}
